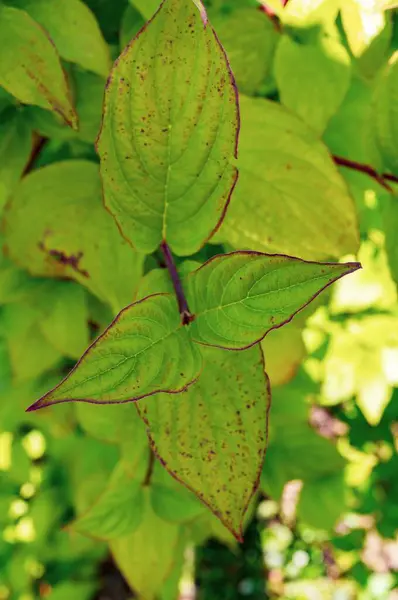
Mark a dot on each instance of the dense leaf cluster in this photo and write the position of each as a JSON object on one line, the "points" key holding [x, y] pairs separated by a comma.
{"points": [[151, 213]]}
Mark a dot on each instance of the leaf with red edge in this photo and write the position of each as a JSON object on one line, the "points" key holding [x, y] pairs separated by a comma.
{"points": [[213, 437]]}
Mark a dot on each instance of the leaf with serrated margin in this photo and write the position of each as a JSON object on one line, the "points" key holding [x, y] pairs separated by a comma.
{"points": [[117, 512], [30, 68], [56, 226], [213, 439], [238, 298], [290, 195], [169, 132], [144, 351], [74, 30]]}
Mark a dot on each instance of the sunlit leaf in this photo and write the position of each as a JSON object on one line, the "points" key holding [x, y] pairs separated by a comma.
{"points": [[30, 68], [237, 298], [73, 29], [57, 226], [323, 68], [166, 149], [144, 351], [290, 196], [220, 458], [385, 115]]}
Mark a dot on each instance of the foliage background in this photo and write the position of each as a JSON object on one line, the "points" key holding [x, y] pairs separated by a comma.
{"points": [[325, 524]]}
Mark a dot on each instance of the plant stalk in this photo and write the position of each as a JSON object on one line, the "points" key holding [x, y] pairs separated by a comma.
{"points": [[186, 315]]}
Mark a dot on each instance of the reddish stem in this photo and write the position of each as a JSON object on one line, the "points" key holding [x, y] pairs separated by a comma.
{"points": [[186, 315], [367, 169]]}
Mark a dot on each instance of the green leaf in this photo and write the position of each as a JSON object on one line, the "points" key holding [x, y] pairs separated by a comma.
{"points": [[324, 69], [132, 22], [290, 196], [362, 22], [30, 68], [15, 147], [250, 40], [169, 133], [146, 350], [283, 350], [73, 29], [238, 298], [390, 221], [30, 352], [56, 226], [88, 91], [146, 557], [170, 500], [322, 501], [118, 511], [220, 457], [112, 423], [385, 114], [146, 7], [64, 318]]}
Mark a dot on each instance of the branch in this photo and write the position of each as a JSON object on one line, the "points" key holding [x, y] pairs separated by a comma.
{"points": [[382, 179], [186, 315]]}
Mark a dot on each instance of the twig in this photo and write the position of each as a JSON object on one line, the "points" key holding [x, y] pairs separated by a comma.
{"points": [[390, 177], [149, 471], [186, 315], [367, 169], [38, 145]]}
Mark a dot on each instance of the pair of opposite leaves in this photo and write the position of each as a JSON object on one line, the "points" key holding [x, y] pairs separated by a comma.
{"points": [[167, 149]]}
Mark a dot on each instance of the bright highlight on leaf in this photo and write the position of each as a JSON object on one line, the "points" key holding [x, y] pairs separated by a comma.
{"points": [[146, 350], [237, 298], [169, 133], [213, 437], [30, 68]]}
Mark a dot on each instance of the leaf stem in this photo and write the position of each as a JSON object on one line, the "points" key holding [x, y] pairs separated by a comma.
{"points": [[382, 179], [149, 471], [38, 145], [186, 315]]}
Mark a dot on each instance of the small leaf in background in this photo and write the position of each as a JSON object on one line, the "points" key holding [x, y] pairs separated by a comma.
{"points": [[167, 150], [146, 350], [88, 91], [290, 196], [131, 24], [15, 148], [64, 318], [237, 298], [146, 557], [323, 501], [385, 114], [250, 40], [390, 221], [146, 7], [56, 225], [323, 68], [74, 30], [284, 351], [213, 437], [30, 68], [362, 22], [31, 354], [170, 500], [117, 512]]}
